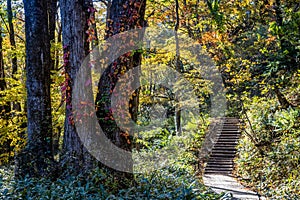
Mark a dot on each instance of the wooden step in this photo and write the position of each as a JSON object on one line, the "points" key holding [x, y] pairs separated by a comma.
{"points": [[217, 165], [229, 170], [222, 148], [227, 140], [229, 125], [224, 135], [229, 133], [220, 162], [216, 151], [227, 144], [236, 132], [219, 168], [223, 160], [229, 137], [222, 156], [208, 171], [231, 129]]}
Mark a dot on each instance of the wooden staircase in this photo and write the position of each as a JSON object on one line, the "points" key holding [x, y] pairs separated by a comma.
{"points": [[224, 150]]}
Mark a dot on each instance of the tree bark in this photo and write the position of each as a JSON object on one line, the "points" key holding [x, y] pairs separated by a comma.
{"points": [[59, 38], [122, 16], [281, 98], [12, 37], [74, 19], [14, 60], [178, 68], [95, 41], [35, 159], [52, 11]]}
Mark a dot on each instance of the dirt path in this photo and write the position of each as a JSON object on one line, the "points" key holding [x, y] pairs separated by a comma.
{"points": [[226, 183]]}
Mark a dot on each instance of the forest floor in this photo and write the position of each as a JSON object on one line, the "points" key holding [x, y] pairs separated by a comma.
{"points": [[226, 183]]}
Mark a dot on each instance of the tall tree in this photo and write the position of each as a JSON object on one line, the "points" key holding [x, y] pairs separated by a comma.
{"points": [[74, 19], [122, 16], [52, 11], [12, 37], [14, 60], [178, 68], [35, 158]]}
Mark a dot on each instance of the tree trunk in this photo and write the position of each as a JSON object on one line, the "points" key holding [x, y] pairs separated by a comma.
{"points": [[95, 41], [281, 98], [52, 12], [122, 16], [12, 37], [179, 69], [74, 19], [35, 159], [14, 60], [59, 35], [52, 9]]}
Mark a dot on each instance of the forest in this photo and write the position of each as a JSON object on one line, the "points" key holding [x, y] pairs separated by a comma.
{"points": [[116, 99]]}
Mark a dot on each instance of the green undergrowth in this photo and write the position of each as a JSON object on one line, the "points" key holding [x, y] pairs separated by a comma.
{"points": [[271, 166], [168, 183]]}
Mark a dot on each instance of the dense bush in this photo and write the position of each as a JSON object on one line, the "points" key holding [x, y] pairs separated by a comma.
{"points": [[272, 163], [169, 183]]}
